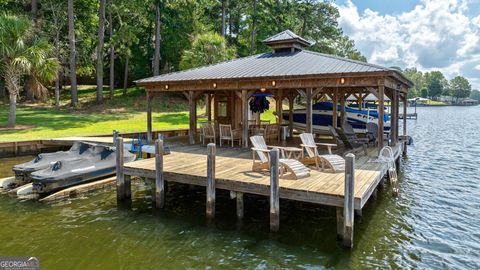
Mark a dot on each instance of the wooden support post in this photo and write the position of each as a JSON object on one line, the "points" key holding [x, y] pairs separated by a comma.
{"points": [[308, 110], [121, 194], [381, 111], [274, 191], [211, 180], [239, 198], [149, 117], [339, 222], [245, 118], [279, 107], [192, 104], [159, 180], [335, 111], [348, 208], [360, 101], [115, 136], [290, 115], [208, 108], [343, 117], [393, 120]]}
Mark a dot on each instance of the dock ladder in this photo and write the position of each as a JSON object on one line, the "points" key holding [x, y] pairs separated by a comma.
{"points": [[386, 156]]}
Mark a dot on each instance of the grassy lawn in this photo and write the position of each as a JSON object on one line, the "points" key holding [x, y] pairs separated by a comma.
{"points": [[126, 114], [123, 113]]}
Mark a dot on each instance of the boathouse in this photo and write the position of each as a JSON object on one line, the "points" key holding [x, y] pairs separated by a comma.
{"points": [[289, 70]]}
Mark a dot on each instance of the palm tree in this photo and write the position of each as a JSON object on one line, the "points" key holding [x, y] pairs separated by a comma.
{"points": [[21, 53]]}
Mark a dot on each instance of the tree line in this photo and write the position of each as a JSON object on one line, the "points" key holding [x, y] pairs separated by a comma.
{"points": [[434, 84], [116, 41]]}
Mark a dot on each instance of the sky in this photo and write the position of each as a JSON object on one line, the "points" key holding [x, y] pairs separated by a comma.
{"points": [[428, 34]]}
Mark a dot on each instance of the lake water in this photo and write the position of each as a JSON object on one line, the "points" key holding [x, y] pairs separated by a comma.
{"points": [[434, 223]]}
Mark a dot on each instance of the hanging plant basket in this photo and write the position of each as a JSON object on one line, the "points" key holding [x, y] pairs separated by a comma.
{"points": [[259, 104]]}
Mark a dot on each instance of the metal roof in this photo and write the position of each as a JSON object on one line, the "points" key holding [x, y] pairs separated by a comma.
{"points": [[271, 64], [287, 36]]}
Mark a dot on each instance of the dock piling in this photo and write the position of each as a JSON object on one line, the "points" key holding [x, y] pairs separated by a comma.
{"points": [[274, 191], [121, 188], [211, 148], [159, 180], [115, 136], [348, 209], [239, 199]]}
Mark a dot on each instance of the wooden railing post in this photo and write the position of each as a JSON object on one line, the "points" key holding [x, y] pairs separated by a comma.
{"points": [[159, 180], [211, 148], [274, 191], [120, 176], [348, 208]]}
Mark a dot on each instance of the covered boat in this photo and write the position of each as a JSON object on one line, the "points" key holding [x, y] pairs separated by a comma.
{"points": [[322, 117], [98, 163], [43, 161]]}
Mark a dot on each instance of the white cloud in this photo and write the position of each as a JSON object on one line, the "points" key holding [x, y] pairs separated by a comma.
{"points": [[435, 35]]}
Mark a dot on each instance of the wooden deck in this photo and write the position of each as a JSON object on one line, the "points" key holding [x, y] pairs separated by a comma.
{"points": [[188, 164]]}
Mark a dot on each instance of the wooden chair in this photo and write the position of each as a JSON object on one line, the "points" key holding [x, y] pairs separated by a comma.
{"points": [[350, 145], [208, 132], [229, 134], [350, 133], [271, 132], [372, 133], [333, 162], [260, 148]]}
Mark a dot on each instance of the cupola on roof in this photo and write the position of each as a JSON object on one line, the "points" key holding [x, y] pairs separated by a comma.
{"points": [[287, 41]]}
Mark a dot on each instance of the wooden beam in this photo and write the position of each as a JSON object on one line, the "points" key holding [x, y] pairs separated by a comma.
{"points": [[317, 91], [308, 110], [192, 105], [354, 80]]}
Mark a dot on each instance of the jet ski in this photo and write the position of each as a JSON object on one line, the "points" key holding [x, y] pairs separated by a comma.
{"points": [[43, 161], [98, 163]]}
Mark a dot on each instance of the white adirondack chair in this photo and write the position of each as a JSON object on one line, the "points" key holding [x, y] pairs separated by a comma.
{"points": [[260, 148], [333, 162]]}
